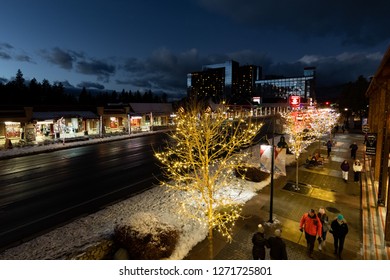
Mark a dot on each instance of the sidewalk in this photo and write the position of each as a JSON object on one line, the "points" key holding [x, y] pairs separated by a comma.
{"points": [[322, 187]]}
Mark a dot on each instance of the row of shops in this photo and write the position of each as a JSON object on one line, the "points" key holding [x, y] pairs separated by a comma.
{"points": [[32, 124]]}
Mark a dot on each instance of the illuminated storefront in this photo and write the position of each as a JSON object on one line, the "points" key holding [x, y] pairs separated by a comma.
{"points": [[64, 124], [12, 123]]}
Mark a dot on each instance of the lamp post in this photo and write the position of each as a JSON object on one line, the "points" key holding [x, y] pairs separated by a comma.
{"points": [[271, 200], [272, 151]]}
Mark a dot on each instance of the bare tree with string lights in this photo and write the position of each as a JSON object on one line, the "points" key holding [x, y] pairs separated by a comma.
{"points": [[322, 122], [200, 160], [297, 124]]}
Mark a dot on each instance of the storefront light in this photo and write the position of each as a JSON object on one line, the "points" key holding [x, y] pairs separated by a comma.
{"points": [[45, 122], [11, 123]]}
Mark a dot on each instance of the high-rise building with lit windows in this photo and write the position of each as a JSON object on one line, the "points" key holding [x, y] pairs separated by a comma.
{"points": [[276, 89], [240, 84], [224, 81]]}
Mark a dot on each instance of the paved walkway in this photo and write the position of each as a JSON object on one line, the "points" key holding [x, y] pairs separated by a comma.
{"points": [[321, 187]]}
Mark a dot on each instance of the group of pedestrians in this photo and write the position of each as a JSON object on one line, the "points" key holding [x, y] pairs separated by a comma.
{"points": [[357, 166], [275, 243], [316, 226]]}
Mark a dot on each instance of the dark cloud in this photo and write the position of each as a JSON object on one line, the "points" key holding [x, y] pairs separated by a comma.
{"points": [[4, 55], [344, 67], [7, 52], [352, 21], [163, 70], [99, 68], [65, 83], [69, 60], [5, 49], [167, 72], [91, 85], [24, 58], [61, 58], [6, 46]]}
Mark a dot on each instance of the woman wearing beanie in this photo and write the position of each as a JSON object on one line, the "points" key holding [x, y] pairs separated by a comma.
{"points": [[259, 244], [325, 226], [339, 229], [357, 169]]}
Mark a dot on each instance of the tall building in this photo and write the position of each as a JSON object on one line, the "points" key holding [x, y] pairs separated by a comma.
{"points": [[223, 81], [277, 89], [239, 84], [248, 75]]}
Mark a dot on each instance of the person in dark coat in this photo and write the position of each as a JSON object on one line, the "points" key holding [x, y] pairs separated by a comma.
{"points": [[339, 229], [259, 244], [329, 147], [344, 170], [353, 148], [278, 247]]}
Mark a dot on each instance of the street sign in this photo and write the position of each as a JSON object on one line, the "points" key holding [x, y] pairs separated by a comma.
{"points": [[371, 144], [295, 101], [365, 128]]}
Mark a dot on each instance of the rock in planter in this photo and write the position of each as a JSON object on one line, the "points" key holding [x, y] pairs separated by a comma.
{"points": [[146, 237], [252, 174]]}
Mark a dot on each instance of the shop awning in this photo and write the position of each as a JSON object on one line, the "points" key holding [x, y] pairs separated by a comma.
{"points": [[64, 114], [154, 108]]}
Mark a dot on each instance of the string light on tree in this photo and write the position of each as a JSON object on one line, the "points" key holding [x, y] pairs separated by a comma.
{"points": [[199, 162]]}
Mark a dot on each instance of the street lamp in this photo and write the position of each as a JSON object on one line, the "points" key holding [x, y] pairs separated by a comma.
{"points": [[272, 148]]}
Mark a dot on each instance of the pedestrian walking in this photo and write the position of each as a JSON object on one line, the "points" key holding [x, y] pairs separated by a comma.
{"points": [[353, 147], [311, 224], [344, 170], [329, 147], [357, 169], [259, 244], [277, 246], [325, 226], [339, 229]]}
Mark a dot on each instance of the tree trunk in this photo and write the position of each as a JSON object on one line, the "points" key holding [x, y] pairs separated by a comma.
{"points": [[211, 227], [296, 174], [211, 245]]}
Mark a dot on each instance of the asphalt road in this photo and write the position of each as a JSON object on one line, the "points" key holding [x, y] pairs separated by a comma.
{"points": [[42, 191]]}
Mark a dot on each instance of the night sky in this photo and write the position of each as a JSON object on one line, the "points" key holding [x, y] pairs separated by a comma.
{"points": [[145, 44]]}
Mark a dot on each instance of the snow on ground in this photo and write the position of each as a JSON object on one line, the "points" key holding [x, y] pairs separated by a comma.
{"points": [[58, 243]]}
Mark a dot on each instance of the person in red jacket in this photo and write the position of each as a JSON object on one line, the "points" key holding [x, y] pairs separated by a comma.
{"points": [[311, 224]]}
